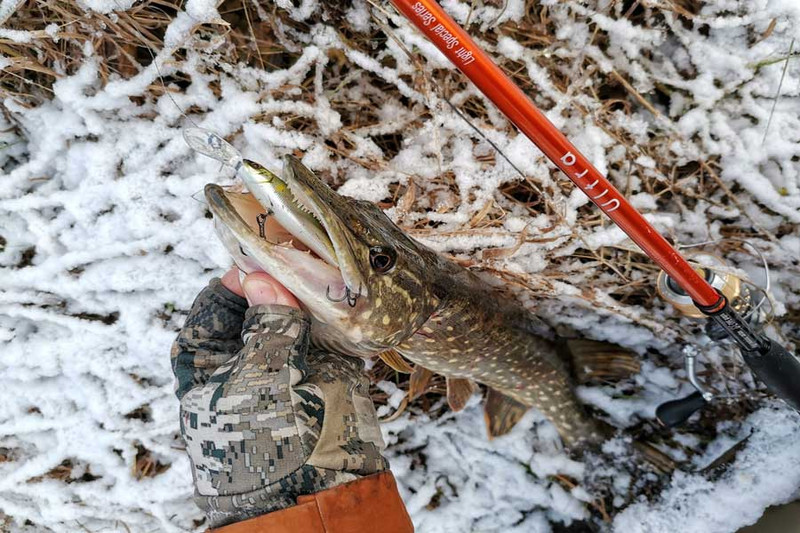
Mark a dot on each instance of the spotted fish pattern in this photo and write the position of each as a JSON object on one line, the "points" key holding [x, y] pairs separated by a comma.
{"points": [[477, 334], [264, 417]]}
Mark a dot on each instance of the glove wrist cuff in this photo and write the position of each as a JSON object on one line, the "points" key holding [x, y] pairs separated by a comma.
{"points": [[371, 503]]}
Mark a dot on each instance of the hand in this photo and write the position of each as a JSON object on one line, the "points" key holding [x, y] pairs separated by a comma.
{"points": [[264, 418], [262, 289]]}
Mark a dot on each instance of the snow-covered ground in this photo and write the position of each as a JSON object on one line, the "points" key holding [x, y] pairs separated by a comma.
{"points": [[105, 243]]}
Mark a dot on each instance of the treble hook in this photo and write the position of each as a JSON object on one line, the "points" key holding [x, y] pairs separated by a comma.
{"points": [[349, 296], [261, 220]]}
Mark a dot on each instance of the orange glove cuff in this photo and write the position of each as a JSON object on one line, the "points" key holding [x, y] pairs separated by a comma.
{"points": [[368, 504]]}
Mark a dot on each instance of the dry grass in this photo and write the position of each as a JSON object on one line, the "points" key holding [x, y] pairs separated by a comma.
{"points": [[65, 472], [147, 465], [123, 40]]}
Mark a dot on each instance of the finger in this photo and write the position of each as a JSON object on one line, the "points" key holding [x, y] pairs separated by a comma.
{"points": [[231, 281], [261, 288]]}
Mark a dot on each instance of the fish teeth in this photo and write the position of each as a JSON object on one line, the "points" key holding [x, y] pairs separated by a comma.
{"points": [[305, 210]]}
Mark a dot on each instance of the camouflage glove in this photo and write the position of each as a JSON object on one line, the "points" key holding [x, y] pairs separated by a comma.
{"points": [[264, 419]]}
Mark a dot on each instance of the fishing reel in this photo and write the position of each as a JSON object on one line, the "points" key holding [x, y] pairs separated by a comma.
{"points": [[744, 297]]}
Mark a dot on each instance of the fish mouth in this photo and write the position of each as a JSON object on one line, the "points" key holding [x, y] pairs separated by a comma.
{"points": [[259, 237]]}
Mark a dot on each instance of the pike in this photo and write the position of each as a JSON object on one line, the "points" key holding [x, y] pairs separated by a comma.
{"points": [[383, 293]]}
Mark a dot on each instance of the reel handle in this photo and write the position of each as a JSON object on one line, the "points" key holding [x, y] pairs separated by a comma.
{"points": [[770, 362], [778, 368], [676, 412]]}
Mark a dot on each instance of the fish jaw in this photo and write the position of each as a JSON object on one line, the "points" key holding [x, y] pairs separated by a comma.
{"points": [[310, 279], [327, 205]]}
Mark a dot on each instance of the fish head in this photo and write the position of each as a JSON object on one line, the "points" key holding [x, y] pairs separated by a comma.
{"points": [[378, 289]]}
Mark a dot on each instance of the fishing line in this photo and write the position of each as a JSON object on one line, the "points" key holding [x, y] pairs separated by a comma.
{"points": [[778, 93], [455, 109], [154, 60], [160, 76]]}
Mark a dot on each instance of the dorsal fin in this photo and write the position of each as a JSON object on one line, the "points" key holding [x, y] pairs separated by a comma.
{"points": [[459, 391], [501, 413], [396, 361], [420, 378], [596, 361]]}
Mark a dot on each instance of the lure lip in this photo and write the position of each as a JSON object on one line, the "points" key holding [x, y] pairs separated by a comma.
{"points": [[212, 145]]}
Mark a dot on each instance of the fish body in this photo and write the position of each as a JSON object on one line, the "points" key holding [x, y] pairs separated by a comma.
{"points": [[381, 290], [478, 334]]}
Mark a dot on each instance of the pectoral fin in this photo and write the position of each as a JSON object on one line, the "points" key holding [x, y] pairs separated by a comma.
{"points": [[396, 361], [459, 392], [501, 413]]}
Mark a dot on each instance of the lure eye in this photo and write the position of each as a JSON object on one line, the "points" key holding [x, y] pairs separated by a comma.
{"points": [[255, 166], [382, 258], [260, 170]]}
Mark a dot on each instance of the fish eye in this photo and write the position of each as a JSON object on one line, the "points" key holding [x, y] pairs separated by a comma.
{"points": [[382, 258]]}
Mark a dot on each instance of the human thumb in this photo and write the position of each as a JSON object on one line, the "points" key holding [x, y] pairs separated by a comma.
{"points": [[261, 288]]}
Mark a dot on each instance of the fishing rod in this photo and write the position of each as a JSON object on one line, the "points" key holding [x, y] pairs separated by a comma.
{"points": [[773, 364]]}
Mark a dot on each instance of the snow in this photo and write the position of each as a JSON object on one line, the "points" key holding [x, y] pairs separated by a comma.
{"points": [[18, 36], [766, 472], [106, 243], [459, 463], [7, 8]]}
